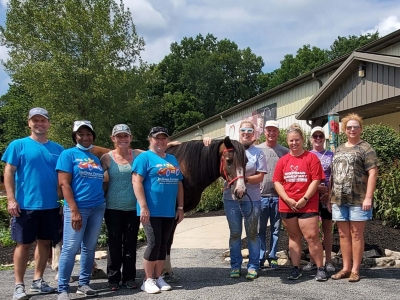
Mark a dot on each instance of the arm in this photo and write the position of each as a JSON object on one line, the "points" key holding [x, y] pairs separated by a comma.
{"points": [[371, 184], [105, 163], [282, 193], [179, 212], [64, 180], [256, 178], [311, 190], [9, 183], [137, 182]]}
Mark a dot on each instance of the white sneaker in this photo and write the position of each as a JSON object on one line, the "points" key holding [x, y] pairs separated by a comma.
{"points": [[150, 286], [162, 284]]}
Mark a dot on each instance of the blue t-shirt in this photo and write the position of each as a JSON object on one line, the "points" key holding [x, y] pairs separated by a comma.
{"points": [[87, 176], [35, 178], [161, 177], [256, 162]]}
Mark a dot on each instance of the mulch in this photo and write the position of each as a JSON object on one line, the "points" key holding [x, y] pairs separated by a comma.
{"points": [[376, 236]]}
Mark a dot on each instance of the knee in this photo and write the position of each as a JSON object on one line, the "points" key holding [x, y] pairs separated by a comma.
{"points": [[235, 235], [312, 238], [357, 236]]}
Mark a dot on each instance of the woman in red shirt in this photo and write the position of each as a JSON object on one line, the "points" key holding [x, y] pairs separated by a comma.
{"points": [[296, 179]]}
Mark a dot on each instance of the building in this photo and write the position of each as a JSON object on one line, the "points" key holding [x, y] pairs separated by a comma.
{"points": [[366, 81]]}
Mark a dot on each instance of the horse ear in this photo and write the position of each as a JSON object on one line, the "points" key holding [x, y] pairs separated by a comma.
{"points": [[228, 142]]}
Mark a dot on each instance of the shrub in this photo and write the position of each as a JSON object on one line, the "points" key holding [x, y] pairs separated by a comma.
{"points": [[211, 199], [4, 215], [141, 235], [5, 238]]}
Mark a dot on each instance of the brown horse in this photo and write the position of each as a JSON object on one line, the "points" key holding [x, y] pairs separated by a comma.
{"points": [[201, 166]]}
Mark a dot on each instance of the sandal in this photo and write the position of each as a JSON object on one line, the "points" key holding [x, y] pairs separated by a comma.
{"points": [[354, 277], [341, 274]]}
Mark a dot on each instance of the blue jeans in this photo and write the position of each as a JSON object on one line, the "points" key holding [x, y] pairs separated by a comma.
{"points": [[235, 217], [84, 239], [269, 211]]}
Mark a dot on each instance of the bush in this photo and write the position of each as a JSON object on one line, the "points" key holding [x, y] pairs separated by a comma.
{"points": [[4, 215], [5, 238], [211, 199]]}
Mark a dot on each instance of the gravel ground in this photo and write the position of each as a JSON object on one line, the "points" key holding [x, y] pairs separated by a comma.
{"points": [[204, 275]]}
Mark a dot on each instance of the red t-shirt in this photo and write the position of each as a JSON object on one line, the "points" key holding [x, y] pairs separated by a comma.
{"points": [[296, 173]]}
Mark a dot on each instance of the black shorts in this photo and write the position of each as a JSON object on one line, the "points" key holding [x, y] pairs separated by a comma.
{"points": [[299, 215], [32, 225], [324, 212]]}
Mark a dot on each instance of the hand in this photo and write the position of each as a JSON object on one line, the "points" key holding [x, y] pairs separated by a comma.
{"points": [[301, 203], [179, 215], [292, 204], [144, 215], [367, 204], [324, 199], [322, 189], [76, 220], [207, 141], [13, 208]]}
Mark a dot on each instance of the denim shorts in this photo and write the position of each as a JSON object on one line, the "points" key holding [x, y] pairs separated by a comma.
{"points": [[347, 212]]}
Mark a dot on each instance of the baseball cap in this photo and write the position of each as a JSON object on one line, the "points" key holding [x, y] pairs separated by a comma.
{"points": [[317, 128], [158, 130], [121, 128], [79, 124], [272, 123], [38, 111]]}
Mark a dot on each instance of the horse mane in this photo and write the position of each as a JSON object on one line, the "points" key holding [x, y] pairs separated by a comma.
{"points": [[200, 164]]}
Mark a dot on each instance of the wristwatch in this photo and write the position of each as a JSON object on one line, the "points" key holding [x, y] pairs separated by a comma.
{"points": [[305, 198]]}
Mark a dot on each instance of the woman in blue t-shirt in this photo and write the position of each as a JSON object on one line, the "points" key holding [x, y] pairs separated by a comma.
{"points": [[157, 183], [80, 177]]}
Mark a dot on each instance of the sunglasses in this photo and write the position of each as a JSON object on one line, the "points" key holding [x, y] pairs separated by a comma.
{"points": [[246, 130], [318, 136], [352, 127]]}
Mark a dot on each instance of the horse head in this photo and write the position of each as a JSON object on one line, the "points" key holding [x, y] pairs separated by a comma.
{"points": [[233, 166]]}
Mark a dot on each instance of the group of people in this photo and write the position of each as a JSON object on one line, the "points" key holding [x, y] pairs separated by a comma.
{"points": [[298, 187], [127, 187], [122, 187]]}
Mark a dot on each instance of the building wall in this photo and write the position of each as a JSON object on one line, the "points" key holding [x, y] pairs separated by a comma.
{"points": [[392, 50], [392, 120]]}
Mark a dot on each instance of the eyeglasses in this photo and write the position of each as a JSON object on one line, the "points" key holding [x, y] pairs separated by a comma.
{"points": [[352, 127], [246, 130], [318, 136]]}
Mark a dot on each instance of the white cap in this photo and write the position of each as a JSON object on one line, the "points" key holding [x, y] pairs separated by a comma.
{"points": [[79, 124], [272, 123], [317, 128]]}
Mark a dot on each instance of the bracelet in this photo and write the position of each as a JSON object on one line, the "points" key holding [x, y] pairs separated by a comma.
{"points": [[180, 207]]}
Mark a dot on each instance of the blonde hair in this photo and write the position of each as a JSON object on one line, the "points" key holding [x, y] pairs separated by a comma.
{"points": [[247, 122], [296, 128], [351, 117]]}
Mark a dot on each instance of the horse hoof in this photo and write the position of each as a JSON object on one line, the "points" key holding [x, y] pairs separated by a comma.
{"points": [[170, 277], [98, 274]]}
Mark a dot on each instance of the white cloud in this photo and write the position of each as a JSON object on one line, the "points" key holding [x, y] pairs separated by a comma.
{"points": [[386, 26], [4, 3], [156, 50], [145, 15]]}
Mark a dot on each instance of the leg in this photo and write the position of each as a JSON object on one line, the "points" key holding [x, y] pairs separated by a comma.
{"points": [[262, 228], [294, 233], [251, 226], [234, 217], [42, 254], [345, 244], [167, 227], [21, 256], [114, 222], [275, 227], [357, 229], [327, 229], [310, 231], [153, 233], [91, 233], [131, 229]]}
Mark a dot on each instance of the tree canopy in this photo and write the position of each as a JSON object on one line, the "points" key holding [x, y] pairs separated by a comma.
{"points": [[78, 59]]}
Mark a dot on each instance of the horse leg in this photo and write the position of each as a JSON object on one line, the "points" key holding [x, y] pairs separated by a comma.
{"points": [[168, 272], [55, 257]]}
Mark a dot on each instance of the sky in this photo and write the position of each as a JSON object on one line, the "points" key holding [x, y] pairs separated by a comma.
{"points": [[271, 28]]}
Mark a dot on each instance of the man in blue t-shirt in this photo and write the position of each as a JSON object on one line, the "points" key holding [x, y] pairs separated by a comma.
{"points": [[30, 180]]}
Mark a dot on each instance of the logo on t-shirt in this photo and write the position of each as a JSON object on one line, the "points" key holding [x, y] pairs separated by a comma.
{"points": [[88, 168], [294, 175], [168, 173]]}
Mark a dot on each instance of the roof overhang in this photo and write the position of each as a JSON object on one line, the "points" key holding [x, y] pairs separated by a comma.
{"points": [[341, 74]]}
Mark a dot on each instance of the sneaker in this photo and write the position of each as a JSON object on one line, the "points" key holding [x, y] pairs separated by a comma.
{"points": [[235, 273], [86, 291], [150, 286], [273, 263], [113, 286], [311, 266], [130, 284], [251, 274], [162, 284], [41, 286], [295, 274], [329, 267], [321, 275], [63, 296], [19, 292]]}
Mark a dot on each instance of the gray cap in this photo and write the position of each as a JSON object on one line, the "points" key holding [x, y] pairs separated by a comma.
{"points": [[38, 111], [121, 128]]}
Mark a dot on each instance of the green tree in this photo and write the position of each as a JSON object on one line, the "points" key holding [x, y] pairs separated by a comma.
{"points": [[78, 59], [201, 77], [344, 45]]}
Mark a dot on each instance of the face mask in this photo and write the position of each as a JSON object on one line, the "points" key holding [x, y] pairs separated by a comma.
{"points": [[79, 146]]}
